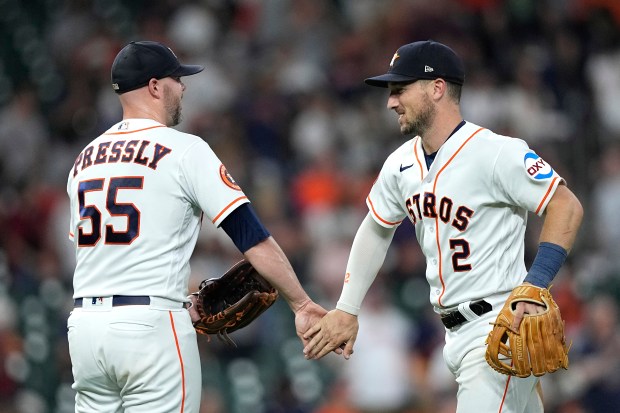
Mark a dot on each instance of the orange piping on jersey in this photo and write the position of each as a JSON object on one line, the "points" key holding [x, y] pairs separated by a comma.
{"points": [[443, 285], [546, 195], [372, 207], [501, 406], [415, 152], [228, 206], [132, 131], [176, 342]]}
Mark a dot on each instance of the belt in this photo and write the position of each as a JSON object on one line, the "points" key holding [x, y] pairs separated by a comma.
{"points": [[118, 300], [456, 318]]}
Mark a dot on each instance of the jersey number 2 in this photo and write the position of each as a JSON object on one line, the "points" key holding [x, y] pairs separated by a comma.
{"points": [[115, 208], [461, 251]]}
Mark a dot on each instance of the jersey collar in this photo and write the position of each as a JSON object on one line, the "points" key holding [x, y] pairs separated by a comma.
{"points": [[129, 125], [431, 157]]}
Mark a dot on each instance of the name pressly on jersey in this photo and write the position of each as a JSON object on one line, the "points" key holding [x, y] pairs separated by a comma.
{"points": [[121, 151]]}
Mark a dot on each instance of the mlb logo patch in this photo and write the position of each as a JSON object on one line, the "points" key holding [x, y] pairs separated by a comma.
{"points": [[96, 301]]}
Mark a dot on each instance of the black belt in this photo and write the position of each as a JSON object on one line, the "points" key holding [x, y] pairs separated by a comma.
{"points": [[119, 300], [455, 318]]}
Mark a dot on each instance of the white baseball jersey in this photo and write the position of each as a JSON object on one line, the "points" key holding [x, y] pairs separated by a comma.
{"points": [[469, 210], [138, 193]]}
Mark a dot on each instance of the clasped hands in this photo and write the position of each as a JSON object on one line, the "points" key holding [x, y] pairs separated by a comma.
{"points": [[336, 332]]}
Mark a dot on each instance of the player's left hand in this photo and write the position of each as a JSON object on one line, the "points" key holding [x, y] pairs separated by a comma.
{"points": [[522, 308], [525, 307], [193, 313], [336, 332], [528, 334]]}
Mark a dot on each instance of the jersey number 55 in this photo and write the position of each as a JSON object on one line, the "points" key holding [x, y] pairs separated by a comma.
{"points": [[115, 208]]}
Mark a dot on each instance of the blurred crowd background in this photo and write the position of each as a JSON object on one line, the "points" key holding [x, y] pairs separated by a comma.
{"points": [[282, 102]]}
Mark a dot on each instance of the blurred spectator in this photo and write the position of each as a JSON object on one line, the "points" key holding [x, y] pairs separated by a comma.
{"points": [[605, 197], [530, 108], [601, 73], [593, 376], [382, 383], [24, 140]]}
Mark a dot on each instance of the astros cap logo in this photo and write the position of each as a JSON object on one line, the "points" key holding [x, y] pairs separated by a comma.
{"points": [[394, 58]]}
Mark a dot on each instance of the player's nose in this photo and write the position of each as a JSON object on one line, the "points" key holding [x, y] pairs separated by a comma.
{"points": [[392, 102]]}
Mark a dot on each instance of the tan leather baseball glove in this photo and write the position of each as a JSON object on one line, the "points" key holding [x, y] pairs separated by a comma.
{"points": [[538, 347], [226, 304]]}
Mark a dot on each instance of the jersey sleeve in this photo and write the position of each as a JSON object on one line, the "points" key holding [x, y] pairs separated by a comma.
{"points": [[208, 185], [523, 178], [72, 223], [384, 198]]}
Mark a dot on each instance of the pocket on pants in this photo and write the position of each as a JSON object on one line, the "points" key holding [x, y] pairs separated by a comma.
{"points": [[131, 325]]}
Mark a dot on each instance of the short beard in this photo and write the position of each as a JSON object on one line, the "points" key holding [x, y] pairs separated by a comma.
{"points": [[173, 108], [423, 122]]}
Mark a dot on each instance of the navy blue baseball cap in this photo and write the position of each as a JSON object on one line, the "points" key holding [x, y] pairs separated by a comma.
{"points": [[139, 62], [422, 60]]}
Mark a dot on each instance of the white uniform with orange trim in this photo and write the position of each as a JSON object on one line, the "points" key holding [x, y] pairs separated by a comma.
{"points": [[137, 194], [470, 213]]}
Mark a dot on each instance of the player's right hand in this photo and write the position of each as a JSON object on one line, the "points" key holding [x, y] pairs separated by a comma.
{"points": [[336, 330], [308, 315]]}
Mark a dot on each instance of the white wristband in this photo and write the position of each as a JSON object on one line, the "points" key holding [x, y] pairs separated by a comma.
{"points": [[347, 308]]}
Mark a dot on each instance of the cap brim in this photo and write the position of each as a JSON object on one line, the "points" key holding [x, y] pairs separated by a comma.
{"points": [[384, 80], [187, 70]]}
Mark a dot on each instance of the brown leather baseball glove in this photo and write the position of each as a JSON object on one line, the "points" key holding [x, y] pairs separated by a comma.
{"points": [[538, 347], [223, 305]]}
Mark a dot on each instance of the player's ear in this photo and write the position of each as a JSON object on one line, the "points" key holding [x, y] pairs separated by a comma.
{"points": [[155, 87], [440, 88]]}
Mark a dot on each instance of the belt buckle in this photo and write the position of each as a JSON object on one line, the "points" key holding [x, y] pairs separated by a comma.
{"points": [[453, 319], [456, 317]]}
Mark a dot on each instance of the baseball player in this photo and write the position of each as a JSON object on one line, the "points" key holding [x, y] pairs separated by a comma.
{"points": [[468, 192], [138, 195]]}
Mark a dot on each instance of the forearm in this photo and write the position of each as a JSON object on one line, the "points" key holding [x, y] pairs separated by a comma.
{"points": [[271, 262], [563, 218], [368, 252]]}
